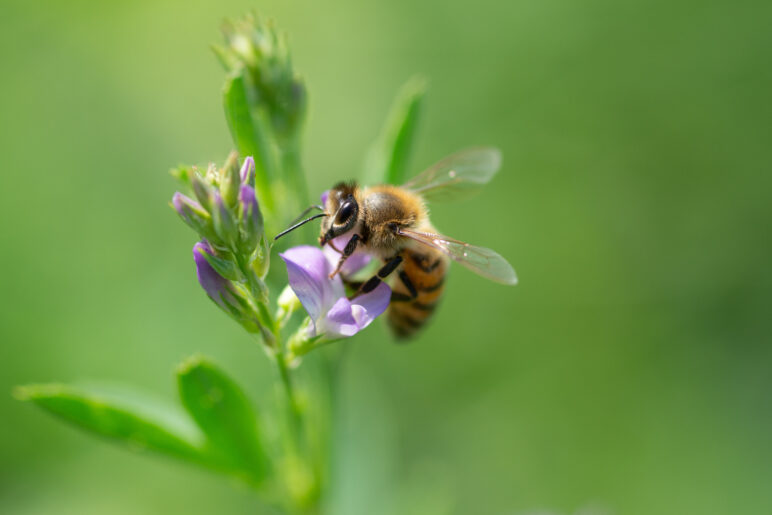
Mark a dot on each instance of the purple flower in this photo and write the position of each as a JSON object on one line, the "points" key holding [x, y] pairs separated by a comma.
{"points": [[333, 315]]}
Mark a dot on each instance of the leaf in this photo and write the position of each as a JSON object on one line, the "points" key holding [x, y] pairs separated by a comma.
{"points": [[224, 414], [248, 132], [388, 157], [135, 426]]}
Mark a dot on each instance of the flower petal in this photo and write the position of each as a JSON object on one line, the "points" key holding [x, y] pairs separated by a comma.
{"points": [[308, 272], [325, 195], [367, 307], [339, 322]]}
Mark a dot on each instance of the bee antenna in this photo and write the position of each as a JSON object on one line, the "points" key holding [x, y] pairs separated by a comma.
{"points": [[290, 229]]}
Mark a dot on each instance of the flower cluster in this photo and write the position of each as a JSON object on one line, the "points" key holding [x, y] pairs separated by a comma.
{"points": [[233, 256], [254, 45]]}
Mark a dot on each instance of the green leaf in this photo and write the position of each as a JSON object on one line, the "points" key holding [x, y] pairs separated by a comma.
{"points": [[224, 414], [248, 131], [136, 423], [388, 157]]}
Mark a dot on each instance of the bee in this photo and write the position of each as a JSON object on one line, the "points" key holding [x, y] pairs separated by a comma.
{"points": [[392, 224]]}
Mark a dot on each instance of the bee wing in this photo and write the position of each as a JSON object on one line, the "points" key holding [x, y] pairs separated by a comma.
{"points": [[457, 176], [482, 261]]}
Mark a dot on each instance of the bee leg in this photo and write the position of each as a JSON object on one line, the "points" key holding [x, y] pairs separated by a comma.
{"points": [[401, 297], [382, 274], [354, 285], [347, 251]]}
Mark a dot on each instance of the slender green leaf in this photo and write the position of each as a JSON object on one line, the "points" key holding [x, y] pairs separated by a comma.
{"points": [[248, 132], [388, 158], [224, 414], [135, 424]]}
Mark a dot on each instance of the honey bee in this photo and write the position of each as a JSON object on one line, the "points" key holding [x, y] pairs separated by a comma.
{"points": [[392, 224]]}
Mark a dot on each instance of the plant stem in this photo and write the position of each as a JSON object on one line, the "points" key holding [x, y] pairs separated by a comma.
{"points": [[289, 390]]}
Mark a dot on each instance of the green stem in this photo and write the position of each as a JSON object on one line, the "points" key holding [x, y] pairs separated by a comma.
{"points": [[289, 390]]}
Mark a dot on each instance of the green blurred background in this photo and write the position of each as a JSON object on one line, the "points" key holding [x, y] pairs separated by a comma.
{"points": [[628, 373]]}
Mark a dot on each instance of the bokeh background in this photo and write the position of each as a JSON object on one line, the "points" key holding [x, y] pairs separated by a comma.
{"points": [[629, 373]]}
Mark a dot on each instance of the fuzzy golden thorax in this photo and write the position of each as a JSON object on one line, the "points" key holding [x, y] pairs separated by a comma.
{"points": [[375, 214]]}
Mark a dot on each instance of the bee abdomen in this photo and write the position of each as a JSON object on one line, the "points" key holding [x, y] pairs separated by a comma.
{"points": [[416, 291]]}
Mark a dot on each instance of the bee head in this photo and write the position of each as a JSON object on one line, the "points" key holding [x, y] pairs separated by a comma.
{"points": [[343, 208]]}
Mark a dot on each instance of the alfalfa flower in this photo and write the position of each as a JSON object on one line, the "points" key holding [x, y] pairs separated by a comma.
{"points": [[332, 315]]}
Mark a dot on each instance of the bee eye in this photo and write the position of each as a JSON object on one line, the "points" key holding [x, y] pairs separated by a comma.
{"points": [[345, 212]]}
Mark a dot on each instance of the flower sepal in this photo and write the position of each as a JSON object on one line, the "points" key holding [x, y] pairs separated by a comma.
{"points": [[223, 264], [304, 341]]}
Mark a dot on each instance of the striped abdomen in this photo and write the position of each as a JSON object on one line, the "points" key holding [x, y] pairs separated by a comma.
{"points": [[416, 290]]}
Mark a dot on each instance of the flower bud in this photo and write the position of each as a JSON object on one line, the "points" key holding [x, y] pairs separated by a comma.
{"points": [[250, 218], [193, 214], [222, 291], [257, 47], [224, 224], [230, 180], [202, 190], [248, 172], [288, 302]]}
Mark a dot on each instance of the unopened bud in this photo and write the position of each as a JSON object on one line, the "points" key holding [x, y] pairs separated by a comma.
{"points": [[224, 224], [230, 180], [223, 265], [250, 218], [288, 302], [193, 214], [201, 189], [248, 172], [222, 291]]}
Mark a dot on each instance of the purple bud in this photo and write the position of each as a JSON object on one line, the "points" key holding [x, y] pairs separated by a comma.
{"points": [[216, 287], [248, 171], [224, 224], [250, 208], [194, 215], [186, 207], [222, 291], [250, 218]]}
